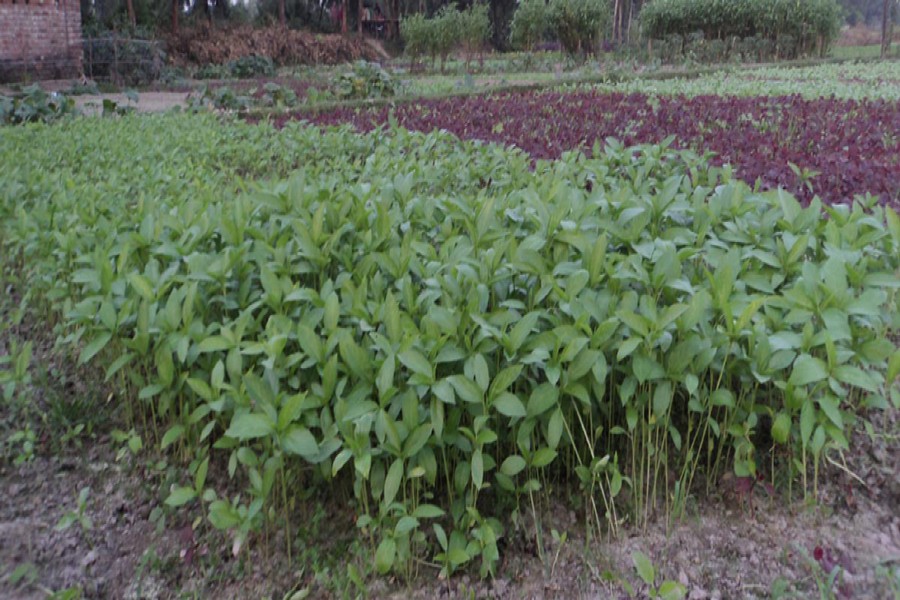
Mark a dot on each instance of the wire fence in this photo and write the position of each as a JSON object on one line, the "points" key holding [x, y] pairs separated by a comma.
{"points": [[118, 60], [27, 69], [122, 61]]}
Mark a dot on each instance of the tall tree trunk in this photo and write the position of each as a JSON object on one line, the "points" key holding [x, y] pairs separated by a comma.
{"points": [[282, 16], [175, 8], [617, 18], [344, 11], [131, 17], [359, 16], [887, 23]]}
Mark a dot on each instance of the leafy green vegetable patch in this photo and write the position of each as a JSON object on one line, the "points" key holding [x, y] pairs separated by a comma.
{"points": [[444, 327]]}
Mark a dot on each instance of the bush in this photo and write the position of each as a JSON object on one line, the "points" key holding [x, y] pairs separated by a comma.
{"points": [[794, 27], [578, 24], [33, 105], [416, 32], [220, 98], [213, 72], [529, 25], [278, 96], [474, 29], [439, 35], [446, 33], [366, 80], [247, 67]]}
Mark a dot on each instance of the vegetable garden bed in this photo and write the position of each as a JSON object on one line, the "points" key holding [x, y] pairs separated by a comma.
{"points": [[838, 147], [449, 338]]}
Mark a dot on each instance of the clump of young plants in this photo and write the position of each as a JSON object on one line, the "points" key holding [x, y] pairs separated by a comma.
{"points": [[34, 105], [447, 328]]}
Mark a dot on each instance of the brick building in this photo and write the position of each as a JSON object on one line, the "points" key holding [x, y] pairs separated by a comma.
{"points": [[40, 39]]}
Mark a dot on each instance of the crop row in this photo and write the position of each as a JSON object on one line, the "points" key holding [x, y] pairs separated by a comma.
{"points": [[838, 148], [850, 81], [444, 327]]}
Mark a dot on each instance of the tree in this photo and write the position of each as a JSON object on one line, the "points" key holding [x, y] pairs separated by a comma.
{"points": [[131, 16], [887, 27]]}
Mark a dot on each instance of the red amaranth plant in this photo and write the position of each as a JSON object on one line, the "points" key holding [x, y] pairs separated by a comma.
{"points": [[849, 145]]}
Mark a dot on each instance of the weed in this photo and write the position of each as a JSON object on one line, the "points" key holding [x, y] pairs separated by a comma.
{"points": [[79, 516]]}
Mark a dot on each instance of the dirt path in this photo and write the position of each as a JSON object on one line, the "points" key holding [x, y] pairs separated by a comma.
{"points": [[148, 102]]}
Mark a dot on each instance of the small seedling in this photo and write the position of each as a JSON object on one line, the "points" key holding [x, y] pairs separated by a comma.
{"points": [[560, 541], [131, 443], [78, 515], [23, 442], [23, 575], [667, 590]]}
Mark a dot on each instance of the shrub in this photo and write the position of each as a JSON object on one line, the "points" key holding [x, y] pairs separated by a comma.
{"points": [[416, 32], [529, 25], [366, 80], [33, 105], [446, 33], [474, 29], [221, 98], [247, 67], [278, 96], [578, 24], [213, 72], [794, 27], [439, 35]]}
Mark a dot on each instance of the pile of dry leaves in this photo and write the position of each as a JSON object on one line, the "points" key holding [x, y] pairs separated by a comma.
{"points": [[218, 45]]}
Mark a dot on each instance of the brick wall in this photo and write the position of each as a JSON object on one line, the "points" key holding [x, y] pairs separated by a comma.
{"points": [[40, 39]]}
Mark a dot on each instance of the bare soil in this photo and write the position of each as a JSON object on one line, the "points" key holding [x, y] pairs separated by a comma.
{"points": [[147, 101], [862, 35]]}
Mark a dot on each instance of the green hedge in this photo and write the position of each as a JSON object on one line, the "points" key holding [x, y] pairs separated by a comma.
{"points": [[578, 24], [449, 30], [529, 24], [798, 27]]}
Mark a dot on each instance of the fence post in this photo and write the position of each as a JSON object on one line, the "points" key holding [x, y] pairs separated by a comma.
{"points": [[114, 74]]}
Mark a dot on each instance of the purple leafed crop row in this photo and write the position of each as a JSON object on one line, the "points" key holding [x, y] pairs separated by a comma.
{"points": [[853, 145]]}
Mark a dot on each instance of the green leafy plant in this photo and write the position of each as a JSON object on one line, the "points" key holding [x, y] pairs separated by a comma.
{"points": [[441, 34], [79, 515], [784, 28], [24, 575], [667, 590], [221, 98], [251, 66], [131, 441], [529, 24], [366, 80], [474, 30], [578, 24], [449, 332], [33, 105], [415, 30], [278, 96]]}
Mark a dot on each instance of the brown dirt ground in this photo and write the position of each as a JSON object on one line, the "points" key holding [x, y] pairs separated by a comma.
{"points": [[147, 101], [863, 35]]}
